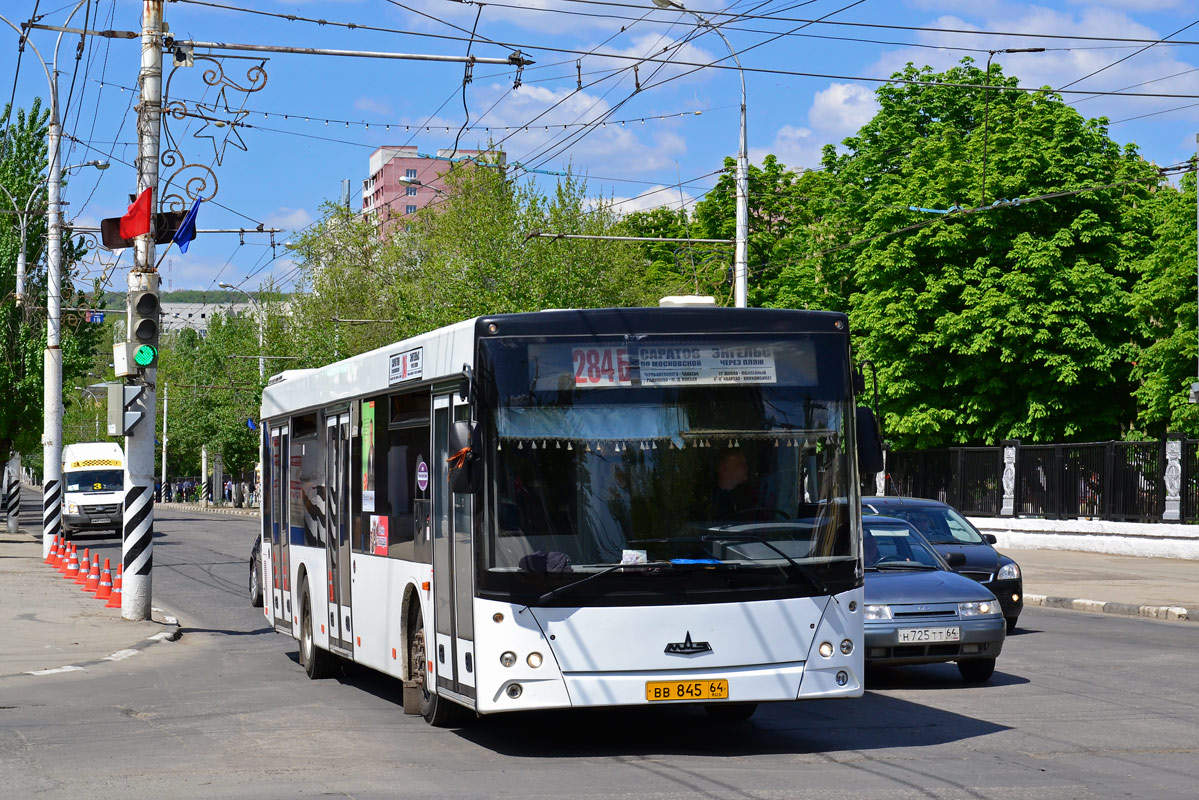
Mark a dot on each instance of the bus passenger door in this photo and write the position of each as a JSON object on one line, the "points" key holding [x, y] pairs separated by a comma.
{"points": [[337, 533], [280, 587], [453, 651]]}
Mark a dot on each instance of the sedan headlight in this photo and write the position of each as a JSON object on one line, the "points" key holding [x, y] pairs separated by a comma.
{"points": [[979, 609], [1008, 572], [876, 613]]}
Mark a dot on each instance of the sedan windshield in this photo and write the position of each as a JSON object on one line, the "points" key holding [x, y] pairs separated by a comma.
{"points": [[694, 457], [886, 546], [939, 524], [95, 480]]}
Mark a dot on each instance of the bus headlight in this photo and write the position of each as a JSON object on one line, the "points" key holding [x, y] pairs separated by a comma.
{"points": [[1008, 572], [876, 613], [508, 658], [826, 649], [534, 660], [72, 508], [846, 647], [980, 609]]}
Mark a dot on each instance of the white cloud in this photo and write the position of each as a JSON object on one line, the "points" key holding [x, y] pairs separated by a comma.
{"points": [[836, 112], [654, 197], [374, 106], [288, 218], [614, 149]]}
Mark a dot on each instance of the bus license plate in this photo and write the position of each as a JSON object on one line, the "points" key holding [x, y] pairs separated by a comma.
{"points": [[920, 635], [101, 520], [709, 689]]}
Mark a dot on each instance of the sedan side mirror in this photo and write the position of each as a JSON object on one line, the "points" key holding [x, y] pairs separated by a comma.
{"points": [[991, 538], [955, 559]]}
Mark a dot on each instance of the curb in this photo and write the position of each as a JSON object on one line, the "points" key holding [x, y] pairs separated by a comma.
{"points": [[1100, 607], [195, 509], [172, 633]]}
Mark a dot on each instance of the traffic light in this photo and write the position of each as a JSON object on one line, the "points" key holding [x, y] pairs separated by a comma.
{"points": [[144, 309], [120, 419]]}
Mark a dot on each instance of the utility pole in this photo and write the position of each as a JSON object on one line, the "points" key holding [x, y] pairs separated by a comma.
{"points": [[143, 318], [52, 384]]}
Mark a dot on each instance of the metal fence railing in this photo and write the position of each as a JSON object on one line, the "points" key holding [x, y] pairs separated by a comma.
{"points": [[1097, 480]]}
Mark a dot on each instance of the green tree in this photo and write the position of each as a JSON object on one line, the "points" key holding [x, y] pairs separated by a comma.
{"points": [[23, 330], [1163, 307], [1009, 322], [467, 254]]}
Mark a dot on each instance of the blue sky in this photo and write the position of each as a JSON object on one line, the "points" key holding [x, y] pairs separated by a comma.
{"points": [[300, 147]]}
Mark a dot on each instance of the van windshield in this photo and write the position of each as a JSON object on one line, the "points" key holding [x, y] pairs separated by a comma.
{"points": [[95, 480]]}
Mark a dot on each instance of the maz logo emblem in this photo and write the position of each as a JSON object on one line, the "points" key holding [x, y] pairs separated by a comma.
{"points": [[688, 647]]}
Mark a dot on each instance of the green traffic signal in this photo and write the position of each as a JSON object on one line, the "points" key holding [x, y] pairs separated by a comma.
{"points": [[145, 355]]}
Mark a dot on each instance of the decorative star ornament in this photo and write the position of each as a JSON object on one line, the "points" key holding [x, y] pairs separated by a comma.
{"points": [[232, 117]]}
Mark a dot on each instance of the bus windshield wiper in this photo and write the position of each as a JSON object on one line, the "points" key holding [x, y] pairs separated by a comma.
{"points": [[811, 576], [567, 587]]}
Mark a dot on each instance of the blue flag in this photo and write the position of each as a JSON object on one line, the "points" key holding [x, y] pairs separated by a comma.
{"points": [[187, 231], [250, 424]]}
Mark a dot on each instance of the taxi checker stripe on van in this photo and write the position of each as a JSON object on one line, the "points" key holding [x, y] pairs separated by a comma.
{"points": [[95, 462]]}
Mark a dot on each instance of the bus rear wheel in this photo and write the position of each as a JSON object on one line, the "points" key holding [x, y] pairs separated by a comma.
{"points": [[437, 711], [316, 662]]}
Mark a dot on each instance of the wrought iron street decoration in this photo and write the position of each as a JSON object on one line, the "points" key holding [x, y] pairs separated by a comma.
{"points": [[191, 181]]}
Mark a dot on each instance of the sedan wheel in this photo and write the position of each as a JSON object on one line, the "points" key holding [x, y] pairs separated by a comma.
{"points": [[978, 670]]}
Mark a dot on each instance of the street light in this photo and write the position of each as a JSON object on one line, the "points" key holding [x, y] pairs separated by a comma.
{"points": [[741, 251], [253, 304], [23, 220]]}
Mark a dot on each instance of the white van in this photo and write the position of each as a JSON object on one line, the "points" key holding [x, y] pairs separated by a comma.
{"points": [[93, 479]]}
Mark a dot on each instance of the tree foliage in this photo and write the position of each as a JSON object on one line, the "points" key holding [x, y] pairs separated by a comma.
{"points": [[23, 330]]}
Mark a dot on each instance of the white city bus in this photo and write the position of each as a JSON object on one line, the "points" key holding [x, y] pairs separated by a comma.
{"points": [[532, 511]]}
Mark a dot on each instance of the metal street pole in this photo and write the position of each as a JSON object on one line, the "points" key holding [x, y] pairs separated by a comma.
{"points": [[52, 381], [137, 544], [741, 249]]}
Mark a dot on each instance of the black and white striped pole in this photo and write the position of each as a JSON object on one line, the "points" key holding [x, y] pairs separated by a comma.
{"points": [[143, 314], [12, 493]]}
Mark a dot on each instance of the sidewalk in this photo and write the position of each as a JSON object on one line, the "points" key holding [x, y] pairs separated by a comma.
{"points": [[49, 624], [1162, 588]]}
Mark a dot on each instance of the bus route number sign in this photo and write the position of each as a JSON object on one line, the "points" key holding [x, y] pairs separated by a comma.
{"points": [[709, 689], [601, 366]]}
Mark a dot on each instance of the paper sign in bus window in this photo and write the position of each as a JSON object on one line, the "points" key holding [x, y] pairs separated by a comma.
{"points": [[378, 535]]}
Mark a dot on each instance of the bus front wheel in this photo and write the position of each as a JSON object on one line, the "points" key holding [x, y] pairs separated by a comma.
{"points": [[437, 711], [316, 662]]}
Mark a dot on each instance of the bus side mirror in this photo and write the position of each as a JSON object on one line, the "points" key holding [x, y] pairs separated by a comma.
{"points": [[465, 475], [870, 443]]}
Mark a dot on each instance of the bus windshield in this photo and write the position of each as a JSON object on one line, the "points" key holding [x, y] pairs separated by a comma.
{"points": [[95, 480], [713, 467]]}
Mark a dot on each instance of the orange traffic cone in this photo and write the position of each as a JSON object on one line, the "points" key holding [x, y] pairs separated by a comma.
{"points": [[49, 559], [104, 588], [85, 565], [114, 600], [93, 575], [56, 555], [64, 552], [72, 564]]}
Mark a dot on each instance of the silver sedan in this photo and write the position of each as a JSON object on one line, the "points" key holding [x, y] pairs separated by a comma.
{"points": [[918, 611]]}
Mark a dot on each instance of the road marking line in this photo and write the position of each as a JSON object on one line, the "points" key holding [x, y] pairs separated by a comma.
{"points": [[120, 655]]}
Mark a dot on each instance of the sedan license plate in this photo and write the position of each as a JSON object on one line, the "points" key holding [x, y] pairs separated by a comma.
{"points": [[922, 635], [101, 520], [708, 689]]}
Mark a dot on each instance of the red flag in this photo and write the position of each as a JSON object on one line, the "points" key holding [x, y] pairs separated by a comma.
{"points": [[137, 219]]}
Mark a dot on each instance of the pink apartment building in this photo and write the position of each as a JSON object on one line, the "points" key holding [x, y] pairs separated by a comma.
{"points": [[402, 182]]}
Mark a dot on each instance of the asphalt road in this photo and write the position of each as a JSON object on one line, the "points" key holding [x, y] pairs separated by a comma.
{"points": [[1082, 705]]}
